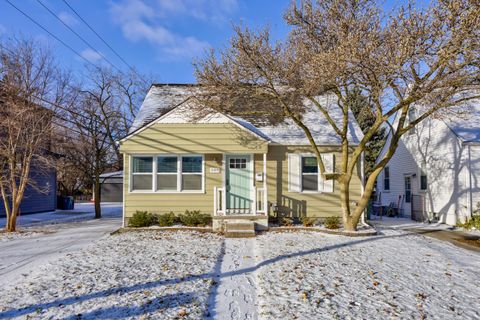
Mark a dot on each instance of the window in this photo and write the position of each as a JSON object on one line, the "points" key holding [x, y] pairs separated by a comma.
{"points": [[142, 173], [238, 163], [192, 173], [411, 118], [386, 179], [173, 173], [309, 174], [408, 190], [423, 179], [167, 173]]}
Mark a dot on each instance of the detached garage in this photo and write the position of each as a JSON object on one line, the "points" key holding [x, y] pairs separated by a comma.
{"points": [[112, 186]]}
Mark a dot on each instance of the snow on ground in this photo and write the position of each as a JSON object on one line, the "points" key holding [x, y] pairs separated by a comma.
{"points": [[235, 296], [82, 212], [396, 275], [157, 275]]}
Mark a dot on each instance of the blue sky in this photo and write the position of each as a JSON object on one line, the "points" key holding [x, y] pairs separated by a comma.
{"points": [[159, 37]]}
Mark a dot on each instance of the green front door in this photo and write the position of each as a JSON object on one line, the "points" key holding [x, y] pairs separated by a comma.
{"points": [[239, 183]]}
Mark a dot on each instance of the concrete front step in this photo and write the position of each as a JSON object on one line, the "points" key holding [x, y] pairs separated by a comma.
{"points": [[240, 226], [240, 234], [240, 230]]}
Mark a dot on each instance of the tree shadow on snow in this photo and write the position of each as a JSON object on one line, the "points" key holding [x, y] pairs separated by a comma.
{"points": [[214, 275]]}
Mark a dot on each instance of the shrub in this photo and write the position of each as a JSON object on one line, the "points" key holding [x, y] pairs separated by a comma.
{"points": [[166, 220], [142, 219], [195, 218], [286, 221], [332, 222], [471, 223], [308, 221]]}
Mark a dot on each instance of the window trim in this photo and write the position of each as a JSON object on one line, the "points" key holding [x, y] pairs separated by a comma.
{"points": [[389, 179], [155, 174], [319, 177]]}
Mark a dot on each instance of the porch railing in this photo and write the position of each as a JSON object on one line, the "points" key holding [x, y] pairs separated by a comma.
{"points": [[259, 201]]}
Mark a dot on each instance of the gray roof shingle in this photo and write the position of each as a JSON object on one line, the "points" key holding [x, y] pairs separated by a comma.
{"points": [[163, 98]]}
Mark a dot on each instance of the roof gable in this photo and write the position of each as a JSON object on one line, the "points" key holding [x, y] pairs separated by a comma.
{"points": [[160, 105]]}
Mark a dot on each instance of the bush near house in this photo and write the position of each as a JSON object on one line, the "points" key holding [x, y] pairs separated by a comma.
{"points": [[167, 219], [286, 221], [142, 219], [473, 223], [195, 218], [308, 221], [332, 222]]}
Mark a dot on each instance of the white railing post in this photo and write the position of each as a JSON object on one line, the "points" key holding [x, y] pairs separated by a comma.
{"points": [[265, 193], [215, 190], [254, 205]]}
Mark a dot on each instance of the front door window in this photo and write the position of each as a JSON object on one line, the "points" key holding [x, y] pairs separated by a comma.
{"points": [[408, 189]]}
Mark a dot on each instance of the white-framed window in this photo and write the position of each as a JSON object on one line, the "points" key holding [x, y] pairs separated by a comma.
{"points": [[304, 173], [309, 174], [411, 118], [386, 178], [142, 173], [423, 178], [167, 173]]}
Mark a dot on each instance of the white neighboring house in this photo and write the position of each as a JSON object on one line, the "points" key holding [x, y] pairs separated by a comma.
{"points": [[434, 174]]}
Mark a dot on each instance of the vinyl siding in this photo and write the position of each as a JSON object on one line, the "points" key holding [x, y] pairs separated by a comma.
{"points": [[35, 201], [434, 144], [213, 141], [193, 138], [298, 204], [475, 175]]}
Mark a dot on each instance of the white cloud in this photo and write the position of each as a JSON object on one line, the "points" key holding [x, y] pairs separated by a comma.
{"points": [[68, 18], [142, 21], [91, 55]]}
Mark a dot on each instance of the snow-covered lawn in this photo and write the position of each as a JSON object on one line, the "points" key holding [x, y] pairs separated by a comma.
{"points": [[151, 274], [393, 276]]}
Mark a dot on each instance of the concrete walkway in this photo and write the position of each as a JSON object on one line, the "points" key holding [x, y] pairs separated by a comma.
{"points": [[235, 297], [469, 240], [23, 255]]}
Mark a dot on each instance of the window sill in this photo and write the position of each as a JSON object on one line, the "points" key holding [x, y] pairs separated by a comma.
{"points": [[166, 192]]}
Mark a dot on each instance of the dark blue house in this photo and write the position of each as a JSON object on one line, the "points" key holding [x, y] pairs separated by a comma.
{"points": [[35, 201]]}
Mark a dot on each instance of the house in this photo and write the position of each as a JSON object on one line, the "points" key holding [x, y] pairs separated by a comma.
{"points": [[41, 193], [111, 186], [232, 168], [435, 173], [42, 197]]}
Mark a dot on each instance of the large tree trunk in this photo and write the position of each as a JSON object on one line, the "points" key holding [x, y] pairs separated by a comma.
{"points": [[12, 219]]}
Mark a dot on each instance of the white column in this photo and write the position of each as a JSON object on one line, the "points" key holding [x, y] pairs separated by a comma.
{"points": [[265, 193], [224, 187]]}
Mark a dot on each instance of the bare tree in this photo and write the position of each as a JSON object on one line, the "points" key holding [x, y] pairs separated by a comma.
{"points": [[102, 113], [426, 59], [28, 76]]}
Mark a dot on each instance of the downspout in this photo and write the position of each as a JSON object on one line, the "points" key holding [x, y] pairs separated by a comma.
{"points": [[470, 196]]}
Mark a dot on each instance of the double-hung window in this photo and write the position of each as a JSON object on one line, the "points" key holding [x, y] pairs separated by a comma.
{"points": [[167, 173], [423, 178], [142, 173], [167, 176], [386, 179], [309, 174]]}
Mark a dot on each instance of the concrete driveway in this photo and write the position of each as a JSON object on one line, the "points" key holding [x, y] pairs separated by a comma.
{"points": [[50, 239]]}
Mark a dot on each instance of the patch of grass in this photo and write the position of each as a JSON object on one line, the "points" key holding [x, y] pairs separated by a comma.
{"points": [[332, 223], [142, 219], [166, 220]]}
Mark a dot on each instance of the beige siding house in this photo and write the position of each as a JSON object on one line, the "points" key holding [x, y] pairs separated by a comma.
{"points": [[226, 166]]}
